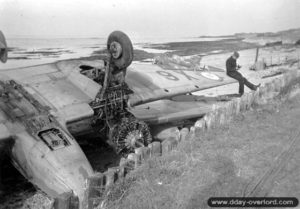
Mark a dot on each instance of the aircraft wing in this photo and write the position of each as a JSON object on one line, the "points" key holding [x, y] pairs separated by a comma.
{"points": [[151, 82], [62, 87], [59, 86], [169, 110]]}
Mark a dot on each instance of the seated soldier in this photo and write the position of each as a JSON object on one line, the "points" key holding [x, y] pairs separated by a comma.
{"points": [[232, 71]]}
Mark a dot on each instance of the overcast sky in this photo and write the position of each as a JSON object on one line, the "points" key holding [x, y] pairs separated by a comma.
{"points": [[141, 18]]}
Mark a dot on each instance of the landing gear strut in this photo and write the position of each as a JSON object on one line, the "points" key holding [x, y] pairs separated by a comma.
{"points": [[128, 133], [125, 132]]}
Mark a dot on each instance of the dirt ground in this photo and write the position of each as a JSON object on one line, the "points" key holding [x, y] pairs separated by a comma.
{"points": [[258, 154]]}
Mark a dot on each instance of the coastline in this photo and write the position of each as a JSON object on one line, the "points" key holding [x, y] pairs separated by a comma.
{"points": [[188, 48]]}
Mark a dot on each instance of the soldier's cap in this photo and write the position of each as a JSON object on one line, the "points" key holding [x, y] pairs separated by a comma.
{"points": [[236, 54]]}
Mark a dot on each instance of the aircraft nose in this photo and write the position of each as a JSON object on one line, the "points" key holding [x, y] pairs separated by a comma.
{"points": [[72, 169], [58, 172]]}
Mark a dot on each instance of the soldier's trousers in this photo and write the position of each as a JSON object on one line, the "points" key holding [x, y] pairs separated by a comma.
{"points": [[242, 81]]}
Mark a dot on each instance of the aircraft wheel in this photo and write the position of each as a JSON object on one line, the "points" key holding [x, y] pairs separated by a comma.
{"points": [[120, 47], [3, 48], [130, 134]]}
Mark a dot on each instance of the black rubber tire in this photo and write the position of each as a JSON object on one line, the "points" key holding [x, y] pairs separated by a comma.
{"points": [[3, 48], [127, 49]]}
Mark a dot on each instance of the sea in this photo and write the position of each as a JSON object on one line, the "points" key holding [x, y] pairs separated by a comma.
{"points": [[30, 51]]}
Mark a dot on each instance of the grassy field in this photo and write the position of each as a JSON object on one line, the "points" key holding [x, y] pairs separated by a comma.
{"points": [[227, 161]]}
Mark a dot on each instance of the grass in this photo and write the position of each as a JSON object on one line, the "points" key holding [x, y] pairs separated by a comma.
{"points": [[221, 162]]}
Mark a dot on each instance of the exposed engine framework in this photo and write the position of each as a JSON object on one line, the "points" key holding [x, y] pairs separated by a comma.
{"points": [[123, 130], [111, 113], [20, 106]]}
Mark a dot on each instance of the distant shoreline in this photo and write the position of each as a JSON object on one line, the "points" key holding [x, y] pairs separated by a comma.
{"points": [[188, 48], [144, 50]]}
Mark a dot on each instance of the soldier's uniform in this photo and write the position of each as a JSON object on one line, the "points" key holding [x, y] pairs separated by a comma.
{"points": [[231, 68]]}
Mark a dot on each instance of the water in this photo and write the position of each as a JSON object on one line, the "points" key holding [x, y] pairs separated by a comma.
{"points": [[33, 51], [29, 51]]}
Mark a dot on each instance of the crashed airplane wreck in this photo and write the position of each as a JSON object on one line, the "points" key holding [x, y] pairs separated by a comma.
{"points": [[46, 109]]}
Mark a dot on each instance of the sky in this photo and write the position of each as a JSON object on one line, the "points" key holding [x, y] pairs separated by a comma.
{"points": [[145, 18]]}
